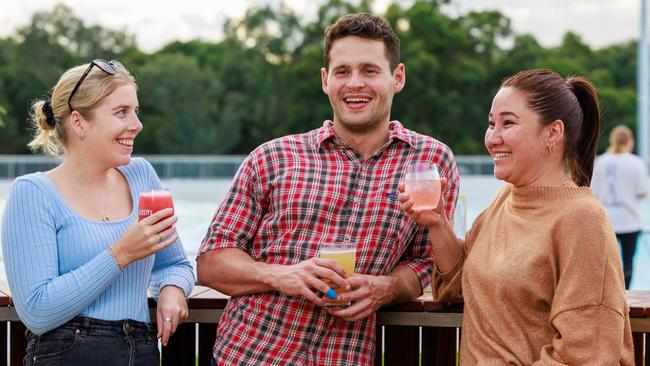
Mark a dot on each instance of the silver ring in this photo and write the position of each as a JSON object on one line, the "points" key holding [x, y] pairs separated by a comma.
{"points": [[161, 237], [168, 319]]}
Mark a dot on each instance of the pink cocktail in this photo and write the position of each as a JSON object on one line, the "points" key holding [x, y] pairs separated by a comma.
{"points": [[422, 183], [154, 201]]}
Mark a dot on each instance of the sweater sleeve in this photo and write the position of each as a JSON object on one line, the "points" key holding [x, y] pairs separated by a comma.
{"points": [[589, 312], [238, 216], [171, 266], [447, 287], [591, 335], [44, 298]]}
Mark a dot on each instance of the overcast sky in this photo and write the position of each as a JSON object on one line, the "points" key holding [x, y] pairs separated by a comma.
{"points": [[155, 23]]}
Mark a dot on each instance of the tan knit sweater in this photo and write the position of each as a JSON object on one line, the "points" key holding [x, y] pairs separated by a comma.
{"points": [[541, 281]]}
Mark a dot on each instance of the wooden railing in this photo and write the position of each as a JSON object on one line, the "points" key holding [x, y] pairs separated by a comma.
{"points": [[417, 329]]}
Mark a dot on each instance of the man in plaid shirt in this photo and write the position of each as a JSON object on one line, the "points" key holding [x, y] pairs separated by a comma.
{"points": [[335, 183]]}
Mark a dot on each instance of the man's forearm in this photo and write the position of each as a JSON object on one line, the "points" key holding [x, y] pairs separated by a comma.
{"points": [[233, 272], [405, 284]]}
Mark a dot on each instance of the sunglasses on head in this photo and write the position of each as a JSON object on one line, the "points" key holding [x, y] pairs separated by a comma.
{"points": [[110, 67]]}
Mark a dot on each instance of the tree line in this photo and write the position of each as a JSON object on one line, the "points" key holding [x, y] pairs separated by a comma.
{"points": [[262, 79]]}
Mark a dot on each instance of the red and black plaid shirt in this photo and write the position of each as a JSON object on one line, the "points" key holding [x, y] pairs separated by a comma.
{"points": [[292, 193]]}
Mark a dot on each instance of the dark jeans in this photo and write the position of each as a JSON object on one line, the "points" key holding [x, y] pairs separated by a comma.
{"points": [[628, 245], [87, 341]]}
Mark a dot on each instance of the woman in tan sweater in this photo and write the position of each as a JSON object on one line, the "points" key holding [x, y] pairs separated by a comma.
{"points": [[539, 271]]}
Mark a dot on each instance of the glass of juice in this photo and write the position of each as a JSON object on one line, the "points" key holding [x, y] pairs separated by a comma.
{"points": [[344, 254], [154, 201], [422, 183]]}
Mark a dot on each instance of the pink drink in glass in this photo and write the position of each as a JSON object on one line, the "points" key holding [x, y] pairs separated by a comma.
{"points": [[154, 201], [422, 183]]}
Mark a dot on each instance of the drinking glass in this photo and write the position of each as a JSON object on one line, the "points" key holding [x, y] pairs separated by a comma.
{"points": [[344, 254], [422, 183], [154, 201]]}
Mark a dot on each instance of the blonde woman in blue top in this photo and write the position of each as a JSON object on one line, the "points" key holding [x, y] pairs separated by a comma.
{"points": [[77, 260]]}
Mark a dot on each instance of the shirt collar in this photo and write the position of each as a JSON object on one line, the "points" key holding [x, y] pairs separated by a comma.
{"points": [[397, 131]]}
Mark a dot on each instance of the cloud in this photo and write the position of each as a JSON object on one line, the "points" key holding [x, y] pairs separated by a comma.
{"points": [[598, 22]]}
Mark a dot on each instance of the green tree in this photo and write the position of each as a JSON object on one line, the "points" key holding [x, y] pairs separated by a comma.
{"points": [[275, 33], [262, 80], [60, 26], [178, 109], [33, 59], [620, 61], [449, 64], [526, 53], [3, 112]]}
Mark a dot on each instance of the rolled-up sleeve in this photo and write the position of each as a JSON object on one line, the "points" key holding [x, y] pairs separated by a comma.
{"points": [[235, 222]]}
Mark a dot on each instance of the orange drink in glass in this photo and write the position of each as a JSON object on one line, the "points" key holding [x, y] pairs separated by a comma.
{"points": [[344, 254]]}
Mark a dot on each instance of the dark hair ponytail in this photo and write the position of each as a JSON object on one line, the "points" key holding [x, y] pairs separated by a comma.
{"points": [[582, 166]]}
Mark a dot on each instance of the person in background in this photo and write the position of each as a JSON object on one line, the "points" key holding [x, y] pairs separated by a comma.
{"points": [[539, 270], [620, 182], [335, 183], [78, 262]]}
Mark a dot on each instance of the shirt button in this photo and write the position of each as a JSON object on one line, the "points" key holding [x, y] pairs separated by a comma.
{"points": [[348, 238]]}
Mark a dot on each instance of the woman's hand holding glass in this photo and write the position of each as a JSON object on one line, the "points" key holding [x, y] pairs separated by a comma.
{"points": [[429, 218], [146, 237]]}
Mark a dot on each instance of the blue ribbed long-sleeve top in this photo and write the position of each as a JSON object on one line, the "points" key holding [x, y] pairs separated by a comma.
{"points": [[58, 265]]}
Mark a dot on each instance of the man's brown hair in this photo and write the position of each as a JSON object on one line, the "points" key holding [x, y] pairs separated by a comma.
{"points": [[367, 26]]}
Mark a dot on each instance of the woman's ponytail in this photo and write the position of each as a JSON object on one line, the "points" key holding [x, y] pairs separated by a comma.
{"points": [[582, 164], [44, 124]]}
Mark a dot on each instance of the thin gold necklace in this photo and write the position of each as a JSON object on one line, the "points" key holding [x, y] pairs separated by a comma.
{"points": [[105, 217]]}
